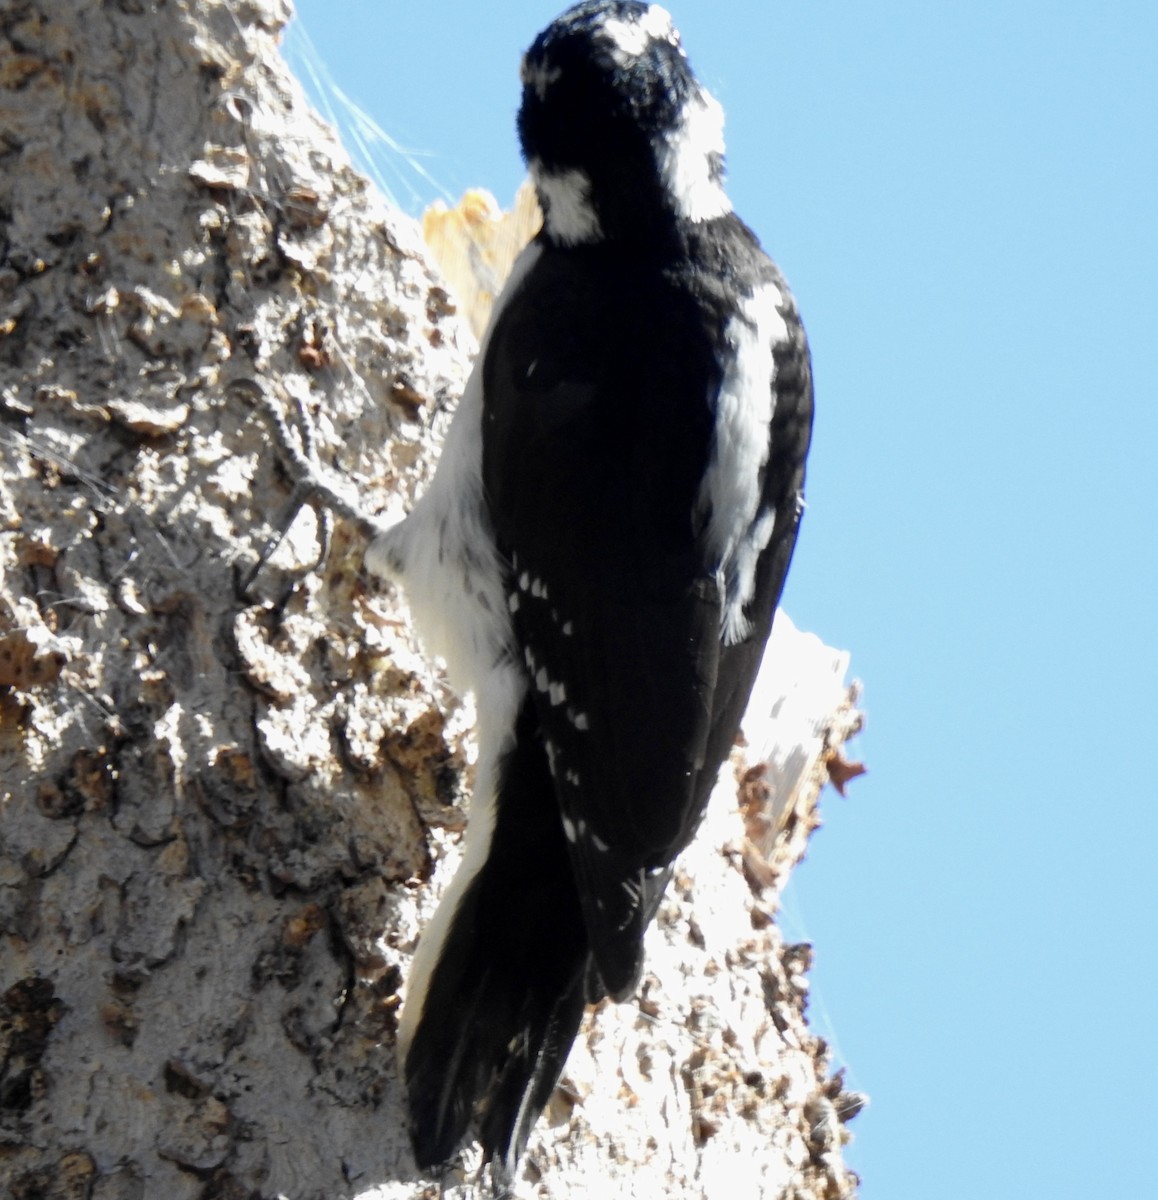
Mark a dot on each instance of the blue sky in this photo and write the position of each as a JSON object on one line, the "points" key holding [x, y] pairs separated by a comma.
{"points": [[965, 199]]}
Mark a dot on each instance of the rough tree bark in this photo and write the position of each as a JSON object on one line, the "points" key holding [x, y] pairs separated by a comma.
{"points": [[229, 803]]}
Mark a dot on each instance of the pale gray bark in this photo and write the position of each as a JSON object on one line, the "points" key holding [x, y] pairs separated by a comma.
{"points": [[224, 813]]}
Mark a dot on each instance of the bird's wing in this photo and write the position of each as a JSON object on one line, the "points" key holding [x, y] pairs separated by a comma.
{"points": [[596, 433], [626, 707]]}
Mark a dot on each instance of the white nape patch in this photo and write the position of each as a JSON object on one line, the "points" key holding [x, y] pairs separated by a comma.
{"points": [[444, 556], [565, 197], [730, 492], [630, 38], [685, 160]]}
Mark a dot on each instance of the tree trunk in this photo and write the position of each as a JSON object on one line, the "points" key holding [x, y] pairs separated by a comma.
{"points": [[230, 801]]}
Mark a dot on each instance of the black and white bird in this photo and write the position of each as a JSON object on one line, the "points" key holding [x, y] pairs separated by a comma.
{"points": [[599, 557]]}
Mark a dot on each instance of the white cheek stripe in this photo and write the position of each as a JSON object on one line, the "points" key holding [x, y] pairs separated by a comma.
{"points": [[686, 156], [730, 492], [566, 195]]}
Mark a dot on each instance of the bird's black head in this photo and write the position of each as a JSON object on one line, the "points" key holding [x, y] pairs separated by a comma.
{"points": [[616, 130]]}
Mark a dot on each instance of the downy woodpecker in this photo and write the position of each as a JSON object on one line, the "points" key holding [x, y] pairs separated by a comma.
{"points": [[598, 557]]}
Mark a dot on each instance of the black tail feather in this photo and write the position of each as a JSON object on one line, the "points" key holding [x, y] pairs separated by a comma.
{"points": [[526, 1085], [507, 993]]}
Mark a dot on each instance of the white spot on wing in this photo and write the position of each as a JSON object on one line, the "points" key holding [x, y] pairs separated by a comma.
{"points": [[558, 694], [542, 682], [580, 720], [568, 829], [513, 602]]}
